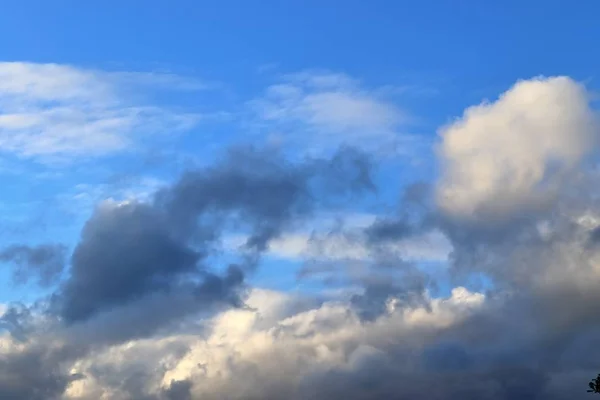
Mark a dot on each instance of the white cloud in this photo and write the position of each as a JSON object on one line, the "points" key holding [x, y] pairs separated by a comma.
{"points": [[272, 343], [55, 112], [329, 108], [512, 154]]}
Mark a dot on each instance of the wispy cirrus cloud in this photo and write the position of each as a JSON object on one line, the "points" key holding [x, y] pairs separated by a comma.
{"points": [[327, 109], [51, 112]]}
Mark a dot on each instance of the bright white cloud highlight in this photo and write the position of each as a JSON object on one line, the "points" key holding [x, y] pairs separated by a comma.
{"points": [[272, 343], [509, 156]]}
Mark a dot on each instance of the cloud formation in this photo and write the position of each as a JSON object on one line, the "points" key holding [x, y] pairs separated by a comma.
{"points": [[327, 109], [511, 156], [134, 255], [157, 306], [42, 263], [55, 112]]}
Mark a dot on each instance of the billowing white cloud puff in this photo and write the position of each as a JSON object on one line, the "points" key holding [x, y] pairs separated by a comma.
{"points": [[509, 156], [271, 346]]}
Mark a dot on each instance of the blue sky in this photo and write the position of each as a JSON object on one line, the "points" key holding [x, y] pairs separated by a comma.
{"points": [[211, 74]]}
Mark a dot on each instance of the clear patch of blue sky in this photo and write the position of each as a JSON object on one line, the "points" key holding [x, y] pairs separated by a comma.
{"points": [[480, 44]]}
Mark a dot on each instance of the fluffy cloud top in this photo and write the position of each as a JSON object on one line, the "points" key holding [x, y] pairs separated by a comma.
{"points": [[274, 349], [510, 156]]}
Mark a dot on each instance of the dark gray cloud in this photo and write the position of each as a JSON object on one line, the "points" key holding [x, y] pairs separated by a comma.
{"points": [[42, 264], [262, 191], [389, 230], [34, 375], [125, 252], [129, 251], [179, 390]]}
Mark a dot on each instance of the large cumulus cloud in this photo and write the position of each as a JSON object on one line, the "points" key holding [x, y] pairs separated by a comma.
{"points": [[511, 156]]}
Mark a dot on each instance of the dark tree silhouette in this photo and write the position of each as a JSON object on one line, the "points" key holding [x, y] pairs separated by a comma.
{"points": [[594, 385]]}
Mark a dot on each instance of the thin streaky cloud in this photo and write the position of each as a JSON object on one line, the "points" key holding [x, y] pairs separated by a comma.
{"points": [[322, 109], [54, 112]]}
